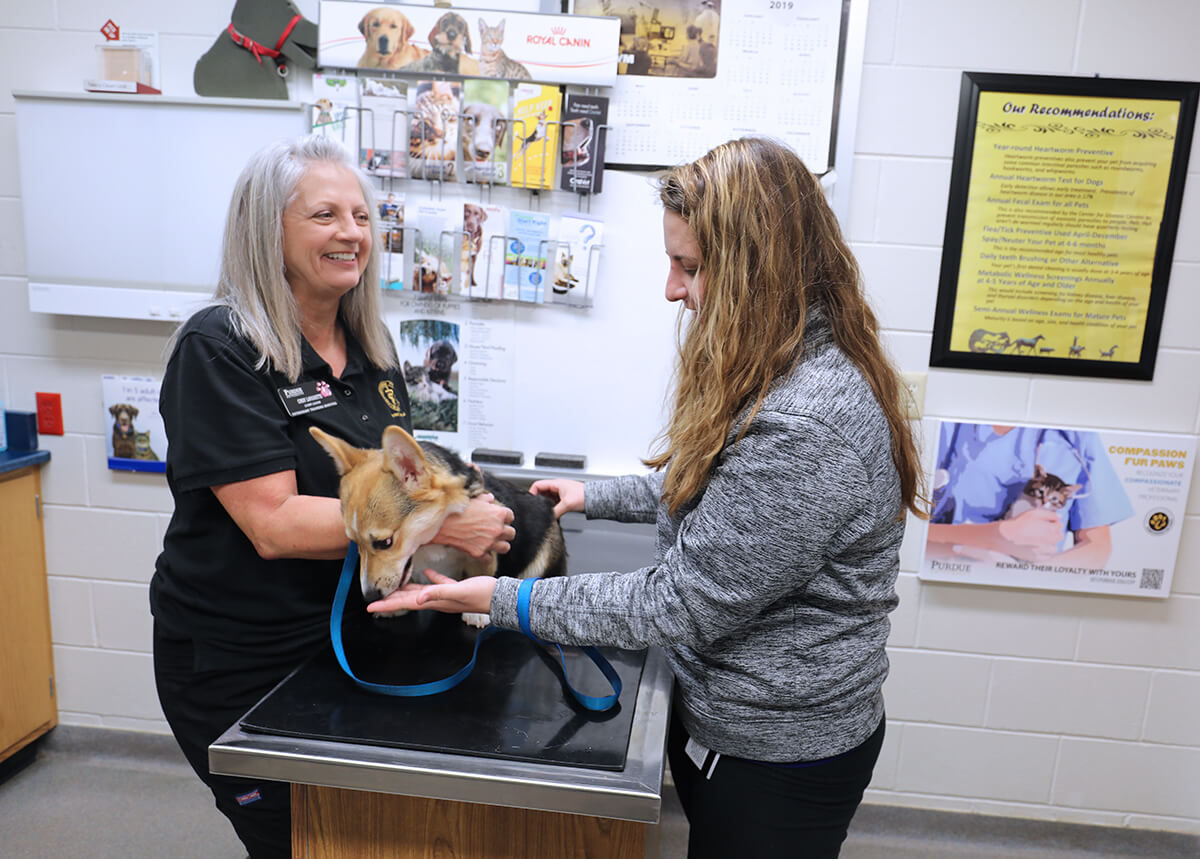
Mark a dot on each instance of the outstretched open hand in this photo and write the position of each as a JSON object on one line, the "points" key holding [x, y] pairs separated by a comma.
{"points": [[445, 594]]}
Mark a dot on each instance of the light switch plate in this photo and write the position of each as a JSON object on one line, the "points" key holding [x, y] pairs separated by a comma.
{"points": [[915, 382]]}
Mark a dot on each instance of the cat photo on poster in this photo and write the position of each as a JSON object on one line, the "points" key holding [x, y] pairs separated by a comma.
{"points": [[1057, 508]]}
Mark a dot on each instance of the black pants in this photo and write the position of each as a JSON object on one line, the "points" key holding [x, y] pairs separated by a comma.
{"points": [[200, 706], [754, 811]]}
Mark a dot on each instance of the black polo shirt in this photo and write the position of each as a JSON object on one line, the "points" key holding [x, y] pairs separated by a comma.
{"points": [[227, 422]]}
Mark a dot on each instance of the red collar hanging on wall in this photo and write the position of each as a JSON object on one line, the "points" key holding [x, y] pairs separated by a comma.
{"points": [[234, 67], [260, 50]]}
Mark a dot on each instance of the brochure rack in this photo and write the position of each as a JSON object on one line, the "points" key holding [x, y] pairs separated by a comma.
{"points": [[398, 172]]}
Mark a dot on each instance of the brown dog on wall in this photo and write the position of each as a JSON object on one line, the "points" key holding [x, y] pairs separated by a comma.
{"points": [[387, 31], [123, 442]]}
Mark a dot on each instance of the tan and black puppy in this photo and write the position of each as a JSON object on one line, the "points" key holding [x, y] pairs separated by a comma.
{"points": [[449, 48], [395, 499]]}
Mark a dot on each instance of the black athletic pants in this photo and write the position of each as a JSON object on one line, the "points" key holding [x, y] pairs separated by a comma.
{"points": [[753, 810], [202, 705]]}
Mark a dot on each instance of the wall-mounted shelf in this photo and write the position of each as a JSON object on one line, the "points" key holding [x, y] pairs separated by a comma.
{"points": [[124, 196], [114, 302]]}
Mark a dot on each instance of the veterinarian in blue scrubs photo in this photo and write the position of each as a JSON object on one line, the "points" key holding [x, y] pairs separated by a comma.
{"points": [[293, 339], [780, 491], [982, 470]]}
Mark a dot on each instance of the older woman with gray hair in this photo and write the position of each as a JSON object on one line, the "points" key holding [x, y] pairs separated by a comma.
{"points": [[293, 339]]}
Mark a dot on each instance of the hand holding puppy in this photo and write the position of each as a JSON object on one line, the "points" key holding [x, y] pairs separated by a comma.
{"points": [[567, 495], [485, 526]]}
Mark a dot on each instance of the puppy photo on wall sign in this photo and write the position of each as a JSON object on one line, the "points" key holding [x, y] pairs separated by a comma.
{"points": [[395, 499], [450, 46], [387, 31]]}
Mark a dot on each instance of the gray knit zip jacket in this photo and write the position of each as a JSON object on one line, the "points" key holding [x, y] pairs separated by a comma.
{"points": [[770, 593]]}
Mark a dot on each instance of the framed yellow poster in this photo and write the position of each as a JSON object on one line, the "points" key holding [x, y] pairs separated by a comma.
{"points": [[1064, 204]]}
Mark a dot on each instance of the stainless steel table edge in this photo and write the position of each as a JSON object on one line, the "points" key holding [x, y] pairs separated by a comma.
{"points": [[634, 793]]}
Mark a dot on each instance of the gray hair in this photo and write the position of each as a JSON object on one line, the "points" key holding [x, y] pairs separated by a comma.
{"points": [[252, 282]]}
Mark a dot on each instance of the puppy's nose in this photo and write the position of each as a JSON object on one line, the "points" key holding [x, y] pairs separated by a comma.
{"points": [[383, 44], [451, 33], [372, 594]]}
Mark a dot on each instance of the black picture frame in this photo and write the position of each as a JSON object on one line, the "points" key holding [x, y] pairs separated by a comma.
{"points": [[998, 352]]}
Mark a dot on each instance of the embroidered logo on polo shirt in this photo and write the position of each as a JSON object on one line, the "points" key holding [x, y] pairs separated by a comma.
{"points": [[388, 391], [305, 397]]}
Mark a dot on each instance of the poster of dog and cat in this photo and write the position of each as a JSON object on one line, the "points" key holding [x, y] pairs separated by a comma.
{"points": [[137, 440], [484, 43]]}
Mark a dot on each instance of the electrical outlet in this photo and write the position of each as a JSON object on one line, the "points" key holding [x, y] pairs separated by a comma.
{"points": [[915, 382], [49, 413]]}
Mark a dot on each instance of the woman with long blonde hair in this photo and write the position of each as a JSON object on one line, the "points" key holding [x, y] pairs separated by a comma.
{"points": [[785, 475]]}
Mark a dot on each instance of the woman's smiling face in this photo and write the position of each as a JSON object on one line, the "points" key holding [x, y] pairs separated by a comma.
{"points": [[326, 233]]}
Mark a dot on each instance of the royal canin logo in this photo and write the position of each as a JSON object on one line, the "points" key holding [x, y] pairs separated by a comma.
{"points": [[558, 36]]}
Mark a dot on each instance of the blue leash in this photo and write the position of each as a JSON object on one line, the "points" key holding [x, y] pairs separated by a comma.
{"points": [[591, 702]]}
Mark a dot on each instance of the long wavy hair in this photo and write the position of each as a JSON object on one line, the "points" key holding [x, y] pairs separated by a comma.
{"points": [[252, 283], [770, 247]]}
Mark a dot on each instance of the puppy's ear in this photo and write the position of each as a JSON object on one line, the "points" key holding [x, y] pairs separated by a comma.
{"points": [[467, 38], [402, 456], [407, 30], [362, 25], [501, 130], [112, 410], [345, 456]]}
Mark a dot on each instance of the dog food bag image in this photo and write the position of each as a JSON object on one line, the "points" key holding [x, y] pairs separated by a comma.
{"points": [[138, 440], [428, 351], [537, 112], [525, 256], [484, 131], [383, 147], [433, 133], [334, 109], [390, 206], [438, 243], [484, 228], [575, 262]]}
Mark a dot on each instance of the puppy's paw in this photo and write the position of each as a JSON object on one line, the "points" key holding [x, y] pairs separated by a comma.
{"points": [[479, 621]]}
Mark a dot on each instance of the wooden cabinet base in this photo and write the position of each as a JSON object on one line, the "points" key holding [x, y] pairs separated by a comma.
{"points": [[331, 823], [28, 708]]}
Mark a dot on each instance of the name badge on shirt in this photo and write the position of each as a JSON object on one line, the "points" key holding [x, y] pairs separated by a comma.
{"points": [[305, 397]]}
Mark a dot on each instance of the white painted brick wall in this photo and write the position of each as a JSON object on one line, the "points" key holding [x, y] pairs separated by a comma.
{"points": [[1031, 704]]}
